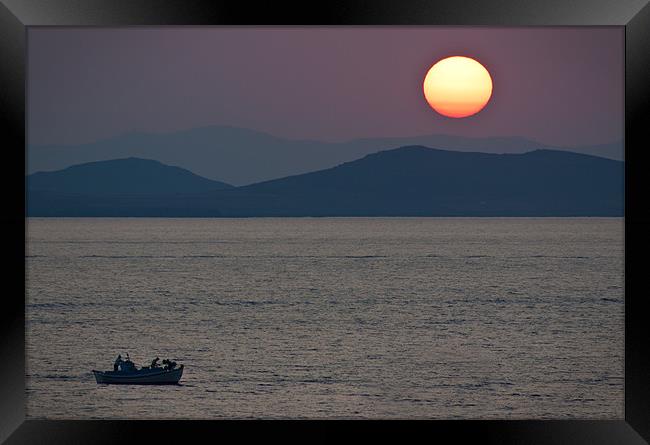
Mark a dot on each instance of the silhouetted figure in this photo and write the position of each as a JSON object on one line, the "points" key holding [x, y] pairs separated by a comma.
{"points": [[169, 365], [118, 362], [127, 365], [154, 363]]}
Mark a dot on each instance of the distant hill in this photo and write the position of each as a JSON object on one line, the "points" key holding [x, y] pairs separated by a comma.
{"points": [[419, 181], [120, 187], [131, 176], [241, 156], [408, 181]]}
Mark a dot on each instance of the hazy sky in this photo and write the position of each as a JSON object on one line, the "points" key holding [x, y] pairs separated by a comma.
{"points": [[560, 86]]}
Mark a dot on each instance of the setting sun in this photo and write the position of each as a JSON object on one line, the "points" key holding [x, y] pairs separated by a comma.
{"points": [[457, 86]]}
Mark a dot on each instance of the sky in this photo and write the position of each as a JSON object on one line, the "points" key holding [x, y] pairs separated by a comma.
{"points": [[560, 86]]}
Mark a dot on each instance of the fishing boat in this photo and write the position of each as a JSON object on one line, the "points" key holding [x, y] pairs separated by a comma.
{"points": [[126, 373]]}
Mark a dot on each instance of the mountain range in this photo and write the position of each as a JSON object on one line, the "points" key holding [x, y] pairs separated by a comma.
{"points": [[240, 156], [406, 181]]}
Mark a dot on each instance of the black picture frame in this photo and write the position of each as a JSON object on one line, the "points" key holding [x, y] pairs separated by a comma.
{"points": [[17, 15]]}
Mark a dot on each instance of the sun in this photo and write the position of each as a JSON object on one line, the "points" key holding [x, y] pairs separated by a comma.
{"points": [[457, 86]]}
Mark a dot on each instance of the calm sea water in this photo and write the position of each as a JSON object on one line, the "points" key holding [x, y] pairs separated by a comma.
{"points": [[327, 318]]}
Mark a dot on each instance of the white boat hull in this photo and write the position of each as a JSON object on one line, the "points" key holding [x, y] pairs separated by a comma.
{"points": [[142, 377]]}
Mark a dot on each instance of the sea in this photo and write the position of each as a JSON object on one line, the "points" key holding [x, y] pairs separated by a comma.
{"points": [[322, 318]]}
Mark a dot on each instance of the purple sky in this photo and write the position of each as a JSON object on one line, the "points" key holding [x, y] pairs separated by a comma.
{"points": [[560, 86]]}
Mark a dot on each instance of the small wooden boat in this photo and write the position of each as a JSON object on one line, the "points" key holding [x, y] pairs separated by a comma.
{"points": [[156, 376], [126, 373]]}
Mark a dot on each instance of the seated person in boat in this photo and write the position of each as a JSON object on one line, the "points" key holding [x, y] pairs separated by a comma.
{"points": [[127, 365], [169, 364], [154, 363]]}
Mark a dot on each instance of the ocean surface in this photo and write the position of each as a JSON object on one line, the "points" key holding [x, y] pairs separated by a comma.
{"points": [[468, 318]]}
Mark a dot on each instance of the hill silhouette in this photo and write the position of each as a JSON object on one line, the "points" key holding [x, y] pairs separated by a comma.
{"points": [[420, 181], [131, 176], [407, 181], [241, 156]]}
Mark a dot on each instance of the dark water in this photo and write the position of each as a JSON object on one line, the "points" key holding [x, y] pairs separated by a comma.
{"points": [[320, 318]]}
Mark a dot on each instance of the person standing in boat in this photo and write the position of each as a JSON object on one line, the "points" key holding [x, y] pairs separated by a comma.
{"points": [[118, 362]]}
